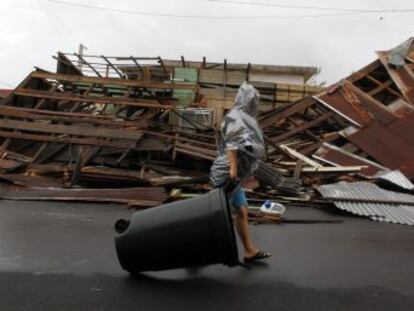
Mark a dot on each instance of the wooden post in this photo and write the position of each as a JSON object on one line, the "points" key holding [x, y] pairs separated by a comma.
{"points": [[224, 77]]}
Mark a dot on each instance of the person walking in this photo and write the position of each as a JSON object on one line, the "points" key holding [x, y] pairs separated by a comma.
{"points": [[241, 147]]}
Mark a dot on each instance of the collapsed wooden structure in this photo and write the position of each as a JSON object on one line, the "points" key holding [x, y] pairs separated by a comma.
{"points": [[104, 122]]}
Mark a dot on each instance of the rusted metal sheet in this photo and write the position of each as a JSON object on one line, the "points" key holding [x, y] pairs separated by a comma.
{"points": [[334, 99], [385, 147], [338, 157], [403, 129], [356, 104]]}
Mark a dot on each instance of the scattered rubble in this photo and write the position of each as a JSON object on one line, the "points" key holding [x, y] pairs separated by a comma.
{"points": [[130, 129]]}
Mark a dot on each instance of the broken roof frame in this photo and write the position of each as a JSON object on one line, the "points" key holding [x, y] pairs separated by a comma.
{"points": [[101, 65]]}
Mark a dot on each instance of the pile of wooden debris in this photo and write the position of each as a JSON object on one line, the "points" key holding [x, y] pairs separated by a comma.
{"points": [[97, 130]]}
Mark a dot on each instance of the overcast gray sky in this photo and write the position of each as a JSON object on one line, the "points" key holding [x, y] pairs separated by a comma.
{"points": [[33, 30]]}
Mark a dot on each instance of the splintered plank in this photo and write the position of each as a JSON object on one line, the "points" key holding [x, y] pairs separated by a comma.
{"points": [[272, 117], [115, 81], [120, 144], [115, 174], [305, 126], [8, 165], [71, 97], [147, 196], [194, 151], [89, 131], [30, 180], [68, 117], [299, 156]]}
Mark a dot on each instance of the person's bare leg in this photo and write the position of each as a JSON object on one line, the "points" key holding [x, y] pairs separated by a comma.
{"points": [[242, 227]]}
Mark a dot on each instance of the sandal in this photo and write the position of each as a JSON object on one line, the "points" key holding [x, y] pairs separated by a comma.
{"points": [[259, 256]]}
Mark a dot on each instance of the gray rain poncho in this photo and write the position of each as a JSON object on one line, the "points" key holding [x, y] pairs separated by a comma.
{"points": [[240, 131]]}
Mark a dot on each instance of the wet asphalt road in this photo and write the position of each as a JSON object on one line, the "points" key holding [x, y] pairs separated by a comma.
{"points": [[60, 256]]}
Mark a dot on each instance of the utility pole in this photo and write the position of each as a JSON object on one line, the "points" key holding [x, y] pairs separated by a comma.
{"points": [[82, 48]]}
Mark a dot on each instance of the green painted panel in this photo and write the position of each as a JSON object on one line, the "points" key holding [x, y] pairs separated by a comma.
{"points": [[185, 97], [186, 74]]}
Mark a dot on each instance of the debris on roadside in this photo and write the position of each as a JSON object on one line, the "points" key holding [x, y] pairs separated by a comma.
{"points": [[131, 129]]}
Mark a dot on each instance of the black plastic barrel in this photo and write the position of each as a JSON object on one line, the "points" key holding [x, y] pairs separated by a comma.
{"points": [[192, 232]]}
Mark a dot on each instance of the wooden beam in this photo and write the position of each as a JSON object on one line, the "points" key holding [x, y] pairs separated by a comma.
{"points": [[295, 108], [86, 93], [150, 196], [88, 64], [335, 169], [364, 71], [309, 149], [67, 117], [89, 131], [119, 144], [224, 76], [383, 86], [112, 66], [52, 150], [297, 170], [402, 78], [213, 153], [136, 102], [39, 152], [299, 156], [162, 65], [248, 71], [196, 154], [308, 132], [302, 128], [188, 140], [42, 101], [115, 81], [137, 64]]}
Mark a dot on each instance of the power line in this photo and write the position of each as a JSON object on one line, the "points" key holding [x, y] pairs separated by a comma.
{"points": [[51, 19], [234, 17], [314, 8]]}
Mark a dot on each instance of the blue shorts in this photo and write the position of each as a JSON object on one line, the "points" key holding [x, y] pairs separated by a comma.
{"points": [[238, 198]]}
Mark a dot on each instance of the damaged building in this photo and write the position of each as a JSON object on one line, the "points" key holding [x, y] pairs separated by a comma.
{"points": [[144, 130]]}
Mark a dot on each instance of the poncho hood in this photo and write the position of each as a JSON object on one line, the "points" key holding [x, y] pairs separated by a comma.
{"points": [[247, 99]]}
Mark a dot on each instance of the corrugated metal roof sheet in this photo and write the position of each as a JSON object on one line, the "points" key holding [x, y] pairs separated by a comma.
{"points": [[396, 177], [367, 199]]}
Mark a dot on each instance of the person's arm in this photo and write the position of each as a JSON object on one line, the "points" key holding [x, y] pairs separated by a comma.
{"points": [[232, 156]]}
